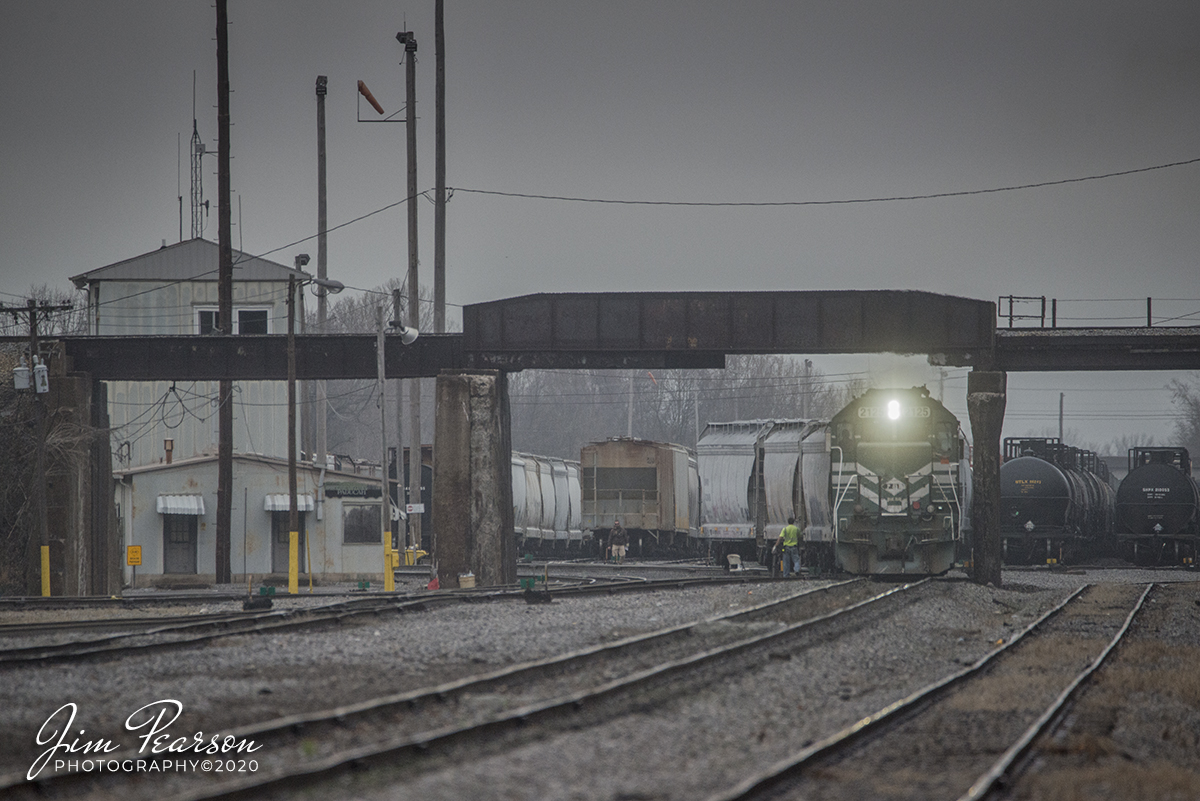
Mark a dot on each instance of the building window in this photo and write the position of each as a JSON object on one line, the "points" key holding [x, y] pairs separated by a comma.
{"points": [[252, 321], [360, 524], [246, 321], [206, 320]]}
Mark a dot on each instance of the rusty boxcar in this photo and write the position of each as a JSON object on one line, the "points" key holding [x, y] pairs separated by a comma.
{"points": [[652, 488]]}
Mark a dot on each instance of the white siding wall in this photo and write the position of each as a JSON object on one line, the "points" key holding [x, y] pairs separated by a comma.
{"points": [[144, 413], [137, 409], [251, 523]]}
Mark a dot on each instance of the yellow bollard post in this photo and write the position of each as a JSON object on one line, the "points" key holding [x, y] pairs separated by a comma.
{"points": [[45, 571], [389, 570], [294, 562]]}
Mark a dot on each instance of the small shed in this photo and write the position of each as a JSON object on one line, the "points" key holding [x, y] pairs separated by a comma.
{"points": [[170, 511]]}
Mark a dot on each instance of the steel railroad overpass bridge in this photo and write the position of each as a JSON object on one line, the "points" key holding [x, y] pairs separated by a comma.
{"points": [[652, 330]]}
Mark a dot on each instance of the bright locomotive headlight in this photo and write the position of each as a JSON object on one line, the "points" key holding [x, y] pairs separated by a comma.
{"points": [[893, 410]]}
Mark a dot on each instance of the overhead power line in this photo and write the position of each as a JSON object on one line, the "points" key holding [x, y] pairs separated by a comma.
{"points": [[685, 203], [841, 202]]}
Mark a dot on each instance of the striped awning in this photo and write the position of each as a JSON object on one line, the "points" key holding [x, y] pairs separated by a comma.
{"points": [[180, 504], [281, 503]]}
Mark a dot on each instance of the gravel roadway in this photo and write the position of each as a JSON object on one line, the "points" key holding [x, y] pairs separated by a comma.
{"points": [[688, 747]]}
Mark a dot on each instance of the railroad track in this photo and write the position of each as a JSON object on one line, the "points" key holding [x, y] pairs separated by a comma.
{"points": [[141, 634], [155, 633], [483, 713], [1131, 733], [959, 737]]}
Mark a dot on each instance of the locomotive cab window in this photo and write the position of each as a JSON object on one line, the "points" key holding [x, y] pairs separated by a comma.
{"points": [[945, 440]]}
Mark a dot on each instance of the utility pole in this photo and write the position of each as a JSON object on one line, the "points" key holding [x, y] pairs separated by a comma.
{"points": [[398, 319], [224, 305], [804, 399], [38, 551], [1061, 397], [409, 41], [385, 508], [322, 226], [179, 179], [439, 169], [629, 418], [293, 508]]}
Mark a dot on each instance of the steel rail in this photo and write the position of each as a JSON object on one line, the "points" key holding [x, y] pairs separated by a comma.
{"points": [[838, 741], [1070, 568], [23, 602], [93, 624], [984, 784], [236, 623], [373, 603], [521, 716], [244, 623], [420, 743], [346, 715], [251, 787]]}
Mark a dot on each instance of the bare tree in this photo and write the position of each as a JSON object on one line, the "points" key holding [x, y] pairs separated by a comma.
{"points": [[57, 323], [1124, 444], [65, 444], [556, 412], [17, 442], [353, 423], [1186, 397]]}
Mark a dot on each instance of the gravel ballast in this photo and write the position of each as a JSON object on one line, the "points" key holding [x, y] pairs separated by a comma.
{"points": [[759, 716]]}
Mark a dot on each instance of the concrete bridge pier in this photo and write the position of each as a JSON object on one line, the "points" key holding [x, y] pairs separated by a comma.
{"points": [[472, 479], [986, 398]]}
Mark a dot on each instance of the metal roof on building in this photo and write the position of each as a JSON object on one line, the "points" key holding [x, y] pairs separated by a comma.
{"points": [[190, 260]]}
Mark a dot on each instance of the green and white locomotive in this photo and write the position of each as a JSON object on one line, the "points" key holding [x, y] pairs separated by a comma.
{"points": [[900, 484]]}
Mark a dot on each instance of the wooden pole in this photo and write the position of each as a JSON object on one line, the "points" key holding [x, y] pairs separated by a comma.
{"points": [[322, 266], [414, 286], [439, 170], [224, 304]]}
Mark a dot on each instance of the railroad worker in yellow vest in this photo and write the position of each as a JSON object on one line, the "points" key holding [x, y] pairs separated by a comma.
{"points": [[618, 541], [789, 539]]}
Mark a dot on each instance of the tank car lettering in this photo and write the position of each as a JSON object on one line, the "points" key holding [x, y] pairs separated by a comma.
{"points": [[1026, 486]]}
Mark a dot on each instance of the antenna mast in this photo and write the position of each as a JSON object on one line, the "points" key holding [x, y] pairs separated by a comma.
{"points": [[197, 149]]}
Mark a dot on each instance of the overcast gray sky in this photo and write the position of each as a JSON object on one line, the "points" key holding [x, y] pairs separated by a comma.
{"points": [[748, 101]]}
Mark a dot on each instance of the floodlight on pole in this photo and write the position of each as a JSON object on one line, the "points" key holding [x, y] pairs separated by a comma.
{"points": [[408, 334]]}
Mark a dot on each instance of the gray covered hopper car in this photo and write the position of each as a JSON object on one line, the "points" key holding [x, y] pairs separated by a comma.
{"points": [[755, 475], [546, 503]]}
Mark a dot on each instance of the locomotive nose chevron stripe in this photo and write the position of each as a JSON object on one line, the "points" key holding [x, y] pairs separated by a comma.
{"points": [[879, 493]]}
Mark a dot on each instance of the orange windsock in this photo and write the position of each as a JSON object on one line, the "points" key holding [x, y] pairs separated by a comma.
{"points": [[365, 92]]}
